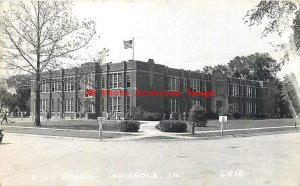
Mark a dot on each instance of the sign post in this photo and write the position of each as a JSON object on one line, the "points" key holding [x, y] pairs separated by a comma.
{"points": [[222, 119], [100, 121]]}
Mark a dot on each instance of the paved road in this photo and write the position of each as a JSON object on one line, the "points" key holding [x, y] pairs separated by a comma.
{"points": [[41, 160]]}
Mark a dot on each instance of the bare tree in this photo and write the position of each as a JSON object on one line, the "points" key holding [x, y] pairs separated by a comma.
{"points": [[36, 35]]}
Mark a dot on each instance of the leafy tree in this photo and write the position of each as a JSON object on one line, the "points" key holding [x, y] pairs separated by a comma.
{"points": [[197, 116], [36, 35], [280, 17], [8, 99], [290, 91], [21, 84], [208, 69], [255, 66], [3, 95]]}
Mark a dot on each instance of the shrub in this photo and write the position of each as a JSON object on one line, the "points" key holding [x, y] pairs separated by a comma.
{"points": [[197, 116], [91, 116], [140, 114], [211, 115], [129, 126], [172, 126], [237, 115]]}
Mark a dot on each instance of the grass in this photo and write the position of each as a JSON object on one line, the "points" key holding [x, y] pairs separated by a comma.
{"points": [[243, 124]]}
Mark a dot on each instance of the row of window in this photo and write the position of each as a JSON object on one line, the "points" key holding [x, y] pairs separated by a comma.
{"points": [[68, 105], [114, 105], [250, 108], [85, 82], [236, 90], [174, 84]]}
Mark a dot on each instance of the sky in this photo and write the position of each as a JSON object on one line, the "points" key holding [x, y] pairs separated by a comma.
{"points": [[179, 34]]}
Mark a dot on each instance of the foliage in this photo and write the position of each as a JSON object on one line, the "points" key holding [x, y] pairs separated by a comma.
{"points": [[130, 126], [172, 126], [290, 92], [208, 69], [21, 84], [140, 114], [237, 115], [256, 66], [197, 116], [36, 35], [7, 99], [211, 115]]}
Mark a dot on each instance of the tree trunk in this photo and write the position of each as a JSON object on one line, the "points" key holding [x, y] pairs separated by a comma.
{"points": [[37, 121]]}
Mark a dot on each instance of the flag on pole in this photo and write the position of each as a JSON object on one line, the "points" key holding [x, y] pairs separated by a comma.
{"points": [[127, 44]]}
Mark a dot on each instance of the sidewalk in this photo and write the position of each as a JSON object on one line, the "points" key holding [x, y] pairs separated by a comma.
{"points": [[147, 131]]}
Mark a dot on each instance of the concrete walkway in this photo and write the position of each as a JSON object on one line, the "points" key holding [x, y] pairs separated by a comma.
{"points": [[148, 130]]}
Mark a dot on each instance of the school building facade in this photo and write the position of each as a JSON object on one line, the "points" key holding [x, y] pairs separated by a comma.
{"points": [[64, 92]]}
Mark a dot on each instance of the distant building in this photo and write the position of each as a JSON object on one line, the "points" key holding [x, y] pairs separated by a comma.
{"points": [[64, 92]]}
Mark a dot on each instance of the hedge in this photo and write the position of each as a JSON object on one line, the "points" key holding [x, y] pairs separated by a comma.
{"points": [[172, 126], [140, 114], [129, 126]]}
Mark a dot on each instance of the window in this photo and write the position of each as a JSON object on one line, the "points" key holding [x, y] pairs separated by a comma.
{"points": [[185, 84], [110, 104], [242, 90], [173, 83], [114, 104], [47, 85], [43, 85], [78, 105], [69, 105], [204, 85], [249, 92], [115, 84], [120, 83], [71, 84], [59, 84], [219, 87], [128, 104], [196, 85], [128, 81], [52, 105], [235, 107], [235, 89], [254, 92], [58, 105], [249, 108], [228, 90], [111, 81], [119, 104], [103, 81], [90, 108], [53, 86], [43, 105], [65, 84], [115, 80], [173, 105], [89, 82], [102, 105]]}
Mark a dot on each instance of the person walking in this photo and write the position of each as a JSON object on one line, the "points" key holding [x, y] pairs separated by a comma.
{"points": [[5, 118]]}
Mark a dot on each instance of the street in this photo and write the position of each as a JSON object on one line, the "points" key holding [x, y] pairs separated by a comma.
{"points": [[43, 160]]}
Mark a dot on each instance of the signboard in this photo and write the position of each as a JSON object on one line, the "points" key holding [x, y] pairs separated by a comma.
{"points": [[223, 119], [100, 121]]}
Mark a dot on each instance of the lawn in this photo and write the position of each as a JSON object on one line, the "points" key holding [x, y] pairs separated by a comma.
{"points": [[243, 123]]}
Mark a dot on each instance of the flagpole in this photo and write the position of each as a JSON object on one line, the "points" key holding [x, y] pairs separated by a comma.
{"points": [[133, 48]]}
